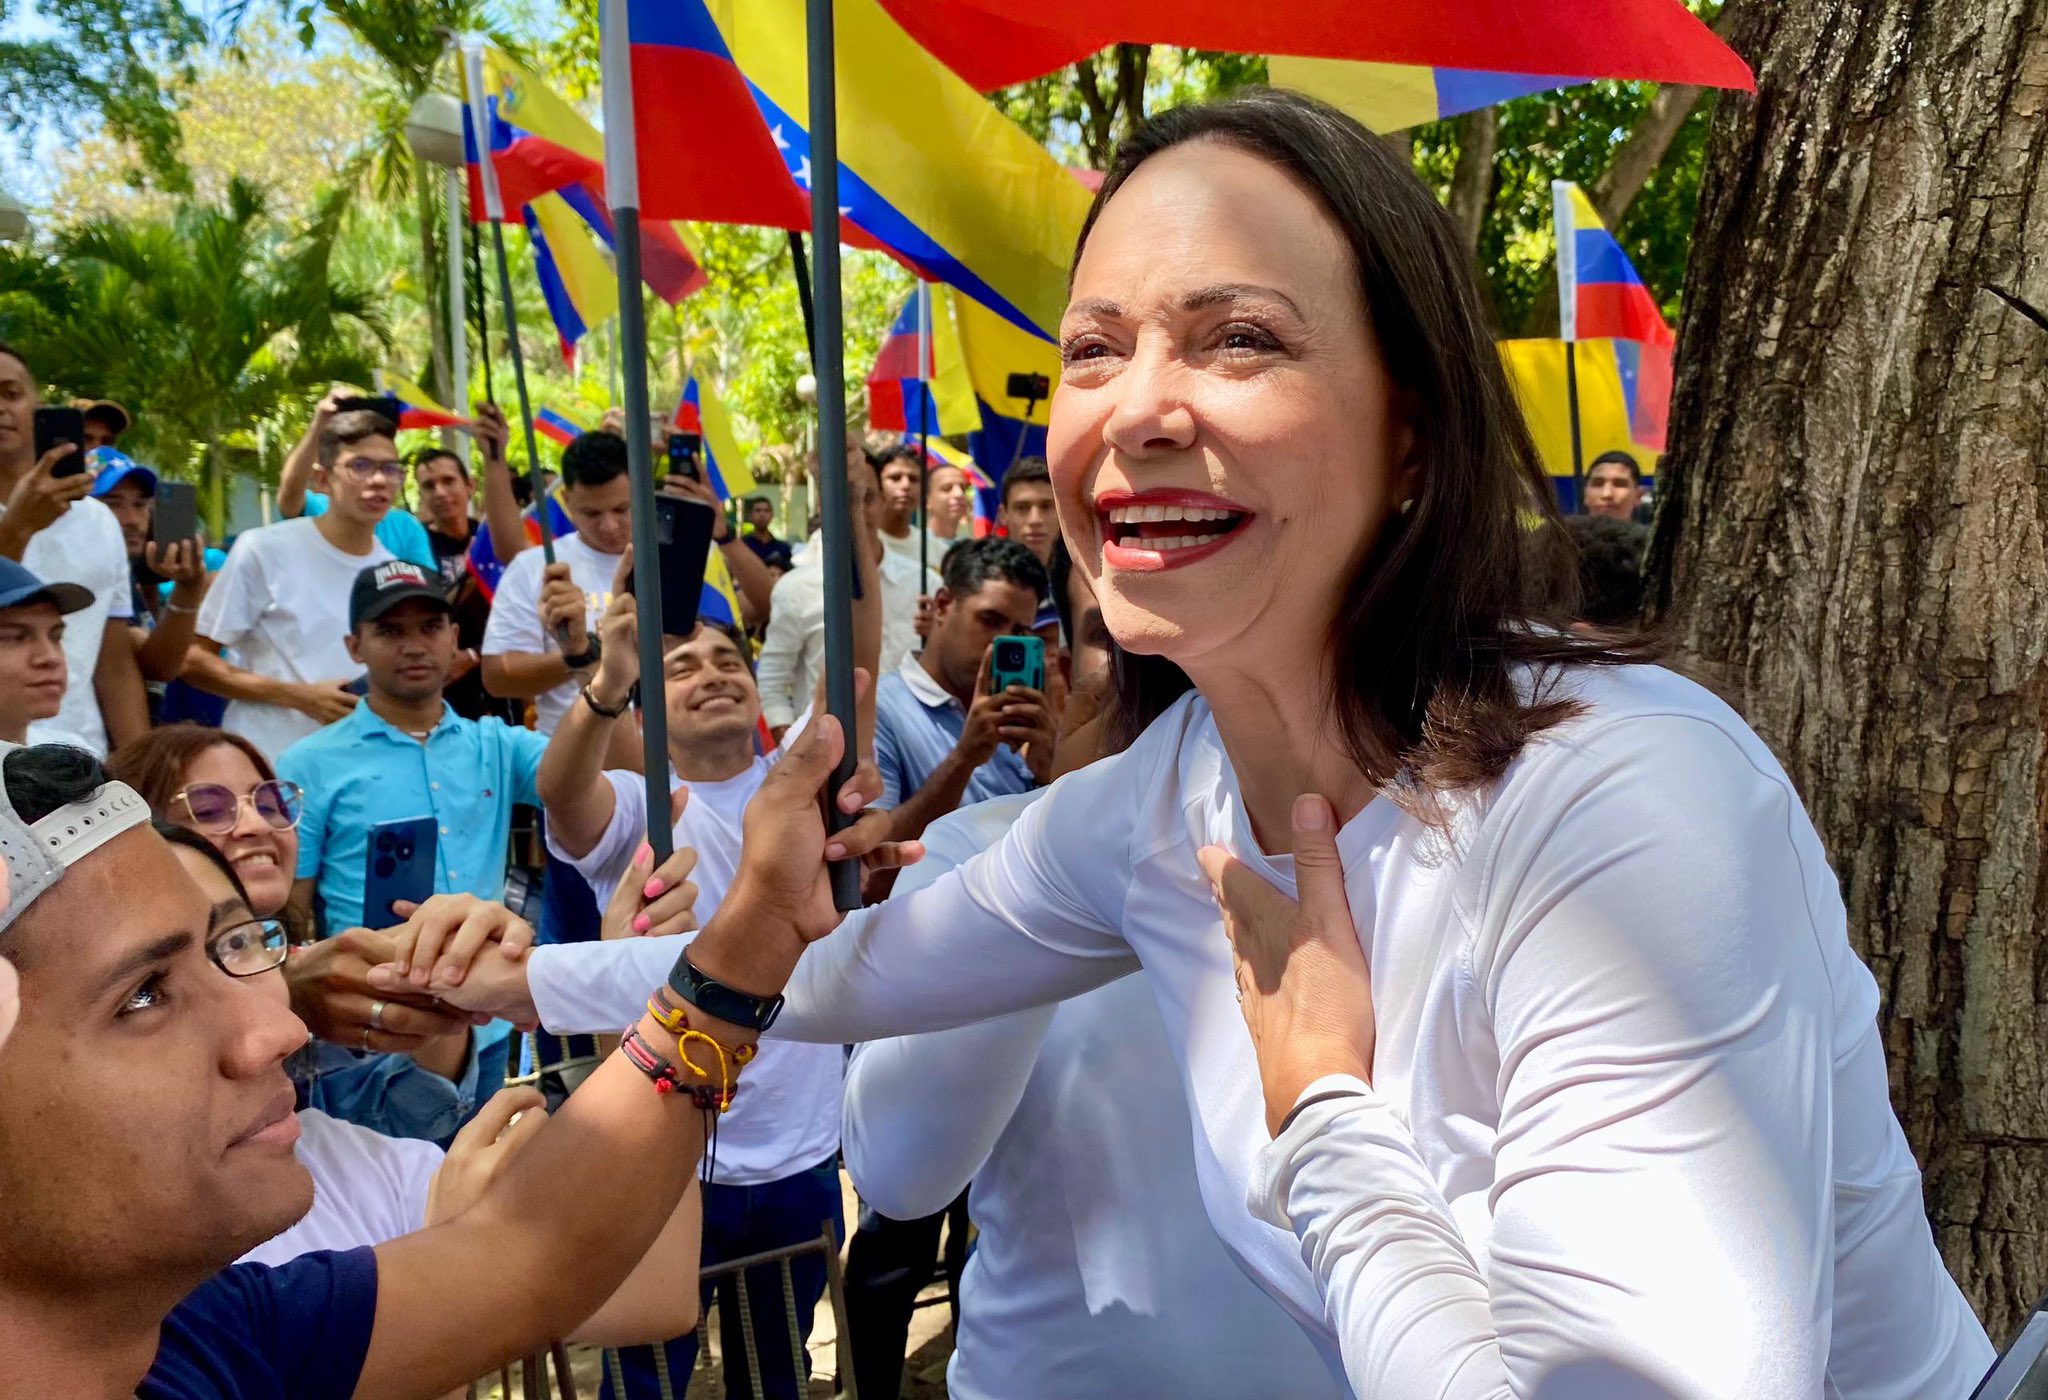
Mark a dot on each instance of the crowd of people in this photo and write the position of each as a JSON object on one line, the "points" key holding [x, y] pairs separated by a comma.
{"points": [[1353, 968]]}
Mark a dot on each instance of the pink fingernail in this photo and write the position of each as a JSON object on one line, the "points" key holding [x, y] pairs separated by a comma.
{"points": [[654, 889], [835, 851], [645, 853], [641, 923]]}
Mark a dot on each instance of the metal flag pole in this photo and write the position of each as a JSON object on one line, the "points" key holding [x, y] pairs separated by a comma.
{"points": [[924, 410], [483, 312], [828, 362], [494, 210], [802, 267], [622, 193], [1571, 390]]}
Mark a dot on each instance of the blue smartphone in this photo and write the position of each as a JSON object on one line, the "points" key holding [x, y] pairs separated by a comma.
{"points": [[1018, 661], [399, 865]]}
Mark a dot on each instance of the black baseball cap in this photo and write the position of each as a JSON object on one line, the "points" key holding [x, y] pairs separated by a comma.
{"points": [[382, 587]]}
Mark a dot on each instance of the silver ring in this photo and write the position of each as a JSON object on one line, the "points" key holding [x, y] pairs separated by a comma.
{"points": [[366, 1037], [376, 1015]]}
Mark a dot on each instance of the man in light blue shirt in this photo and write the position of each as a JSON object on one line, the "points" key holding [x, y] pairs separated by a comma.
{"points": [[404, 753], [941, 740]]}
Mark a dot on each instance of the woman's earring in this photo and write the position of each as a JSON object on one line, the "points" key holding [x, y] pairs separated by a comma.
{"points": [[1407, 505]]}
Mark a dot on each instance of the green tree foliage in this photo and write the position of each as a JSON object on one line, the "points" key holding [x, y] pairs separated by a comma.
{"points": [[201, 322], [117, 61]]}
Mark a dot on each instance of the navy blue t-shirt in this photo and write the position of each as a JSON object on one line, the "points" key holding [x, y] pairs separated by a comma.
{"points": [[299, 1331]]}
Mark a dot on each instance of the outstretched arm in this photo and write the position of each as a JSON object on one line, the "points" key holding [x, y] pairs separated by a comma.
{"points": [[538, 1220]]}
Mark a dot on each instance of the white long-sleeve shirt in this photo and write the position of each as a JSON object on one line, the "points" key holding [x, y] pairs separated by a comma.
{"points": [[793, 653], [1629, 1132], [1095, 1275]]}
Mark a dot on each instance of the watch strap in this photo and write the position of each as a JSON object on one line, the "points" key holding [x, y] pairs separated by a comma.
{"points": [[714, 998]]}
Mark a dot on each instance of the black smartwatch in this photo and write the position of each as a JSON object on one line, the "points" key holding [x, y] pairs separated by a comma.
{"points": [[717, 999], [586, 658]]}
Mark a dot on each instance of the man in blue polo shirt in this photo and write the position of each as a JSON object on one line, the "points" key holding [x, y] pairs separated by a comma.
{"points": [[403, 752], [941, 740]]}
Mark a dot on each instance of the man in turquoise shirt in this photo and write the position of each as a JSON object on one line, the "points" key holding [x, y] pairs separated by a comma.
{"points": [[403, 752]]}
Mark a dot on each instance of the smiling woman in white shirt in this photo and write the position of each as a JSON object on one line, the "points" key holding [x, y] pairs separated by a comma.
{"points": [[1612, 1116]]}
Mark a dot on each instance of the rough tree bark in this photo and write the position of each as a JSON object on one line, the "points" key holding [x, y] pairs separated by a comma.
{"points": [[1852, 549]]}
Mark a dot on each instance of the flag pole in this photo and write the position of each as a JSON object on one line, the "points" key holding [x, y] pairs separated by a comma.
{"points": [[483, 311], [622, 193], [494, 211], [1563, 228], [1571, 390], [828, 363], [924, 411], [802, 267]]}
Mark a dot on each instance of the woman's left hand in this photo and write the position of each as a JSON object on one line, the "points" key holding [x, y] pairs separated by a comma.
{"points": [[1301, 973]]}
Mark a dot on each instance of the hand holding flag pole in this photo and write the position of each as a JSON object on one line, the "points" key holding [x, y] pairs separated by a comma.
{"points": [[829, 364], [622, 193]]}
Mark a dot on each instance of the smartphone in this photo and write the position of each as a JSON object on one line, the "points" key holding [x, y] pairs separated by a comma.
{"points": [[1029, 386], [682, 526], [55, 425], [399, 865], [682, 455], [359, 686], [1018, 661], [175, 514]]}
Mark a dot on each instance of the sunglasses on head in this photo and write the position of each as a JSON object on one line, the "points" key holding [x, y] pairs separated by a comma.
{"points": [[215, 809]]}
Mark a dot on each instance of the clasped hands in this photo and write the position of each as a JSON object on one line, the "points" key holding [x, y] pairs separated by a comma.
{"points": [[780, 899]]}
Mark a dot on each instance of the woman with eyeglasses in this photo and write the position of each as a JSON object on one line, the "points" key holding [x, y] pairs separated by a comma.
{"points": [[217, 784], [369, 1188]]}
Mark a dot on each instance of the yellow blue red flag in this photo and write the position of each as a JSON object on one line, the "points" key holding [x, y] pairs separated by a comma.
{"points": [[929, 169]]}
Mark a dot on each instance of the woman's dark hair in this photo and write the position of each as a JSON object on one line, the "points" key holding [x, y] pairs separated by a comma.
{"points": [[1448, 637], [192, 841], [154, 765]]}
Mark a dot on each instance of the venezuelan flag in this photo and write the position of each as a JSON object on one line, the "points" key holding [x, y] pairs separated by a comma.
{"points": [[1536, 372], [416, 407], [540, 145], [669, 263], [720, 601], [919, 383], [1645, 39], [558, 428], [725, 467], [929, 169], [575, 280], [1600, 296], [944, 454], [483, 561], [1393, 96]]}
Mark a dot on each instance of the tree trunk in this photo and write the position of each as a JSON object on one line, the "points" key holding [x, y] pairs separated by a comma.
{"points": [[216, 489], [1472, 179], [1853, 541]]}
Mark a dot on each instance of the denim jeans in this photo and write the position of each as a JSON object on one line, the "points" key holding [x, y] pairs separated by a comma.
{"points": [[738, 1221], [392, 1095]]}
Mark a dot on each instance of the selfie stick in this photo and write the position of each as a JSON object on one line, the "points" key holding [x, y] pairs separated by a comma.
{"points": [[494, 211], [829, 364], [622, 193]]}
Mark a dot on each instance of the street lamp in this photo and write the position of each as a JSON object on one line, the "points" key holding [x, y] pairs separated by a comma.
{"points": [[434, 131], [13, 219]]}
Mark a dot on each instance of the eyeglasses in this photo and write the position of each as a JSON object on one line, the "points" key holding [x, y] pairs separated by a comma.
{"points": [[215, 809], [367, 468], [243, 950]]}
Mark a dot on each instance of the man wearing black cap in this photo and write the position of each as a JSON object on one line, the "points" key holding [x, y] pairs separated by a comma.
{"points": [[32, 668], [404, 752]]}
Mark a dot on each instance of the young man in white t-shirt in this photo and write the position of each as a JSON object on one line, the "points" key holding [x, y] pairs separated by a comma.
{"points": [[280, 603], [537, 602], [773, 1181], [51, 525]]}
